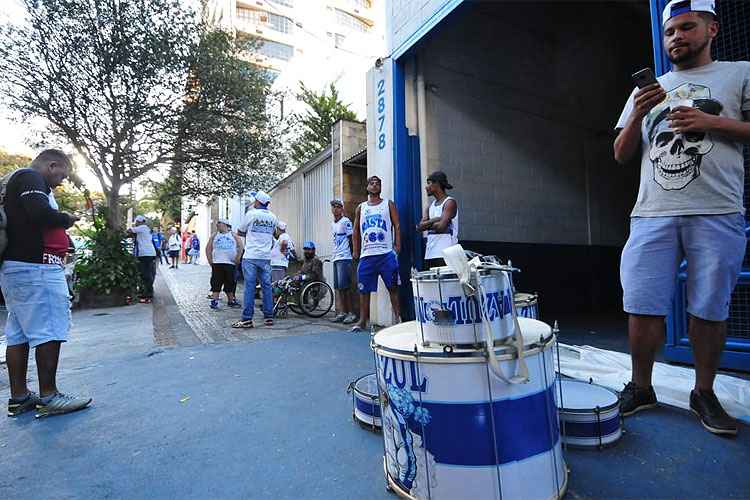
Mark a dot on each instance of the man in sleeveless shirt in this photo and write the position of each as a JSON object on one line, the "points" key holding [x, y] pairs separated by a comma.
{"points": [[376, 242], [440, 220], [688, 130]]}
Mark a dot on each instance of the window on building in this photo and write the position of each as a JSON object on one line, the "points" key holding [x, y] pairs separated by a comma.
{"points": [[254, 16], [347, 20], [276, 50], [339, 40], [288, 3], [280, 23], [361, 4]]}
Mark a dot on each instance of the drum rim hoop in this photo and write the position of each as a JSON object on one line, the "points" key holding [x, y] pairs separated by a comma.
{"points": [[475, 356], [587, 411], [365, 394]]}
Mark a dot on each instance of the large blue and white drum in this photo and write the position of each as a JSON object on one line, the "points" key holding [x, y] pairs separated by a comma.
{"points": [[527, 305], [449, 316], [589, 414], [365, 401], [452, 430]]}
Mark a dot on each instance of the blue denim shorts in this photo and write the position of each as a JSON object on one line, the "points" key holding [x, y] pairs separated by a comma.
{"points": [[38, 303], [342, 274], [714, 247]]}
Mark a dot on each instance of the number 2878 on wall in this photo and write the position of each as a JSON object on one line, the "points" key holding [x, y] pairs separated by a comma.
{"points": [[381, 114]]}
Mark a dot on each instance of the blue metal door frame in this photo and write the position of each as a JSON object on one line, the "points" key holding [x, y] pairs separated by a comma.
{"points": [[406, 188]]}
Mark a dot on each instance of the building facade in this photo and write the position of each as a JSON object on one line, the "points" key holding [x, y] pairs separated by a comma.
{"points": [[316, 42], [302, 199], [517, 103]]}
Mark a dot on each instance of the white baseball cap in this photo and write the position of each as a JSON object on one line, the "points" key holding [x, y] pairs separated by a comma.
{"points": [[677, 7], [281, 225], [263, 198], [140, 218], [223, 221]]}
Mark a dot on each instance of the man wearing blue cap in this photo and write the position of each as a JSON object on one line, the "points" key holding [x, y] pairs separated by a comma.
{"points": [[312, 267], [689, 127], [257, 228]]}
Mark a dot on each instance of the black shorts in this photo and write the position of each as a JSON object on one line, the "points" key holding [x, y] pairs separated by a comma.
{"points": [[174, 253], [222, 275]]}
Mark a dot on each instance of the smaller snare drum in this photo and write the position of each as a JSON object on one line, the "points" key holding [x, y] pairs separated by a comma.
{"points": [[365, 401], [527, 305], [589, 414]]}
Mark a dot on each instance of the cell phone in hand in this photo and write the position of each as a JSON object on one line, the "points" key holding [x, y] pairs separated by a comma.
{"points": [[644, 78]]}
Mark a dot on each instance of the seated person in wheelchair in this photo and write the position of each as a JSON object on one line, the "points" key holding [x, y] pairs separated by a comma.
{"points": [[312, 267]]}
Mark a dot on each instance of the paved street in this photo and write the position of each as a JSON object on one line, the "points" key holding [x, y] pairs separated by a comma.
{"points": [[185, 407]]}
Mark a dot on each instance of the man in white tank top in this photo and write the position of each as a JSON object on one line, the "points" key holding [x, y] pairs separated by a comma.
{"points": [[440, 220], [376, 241]]}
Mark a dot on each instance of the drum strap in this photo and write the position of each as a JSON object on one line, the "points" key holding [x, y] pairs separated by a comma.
{"points": [[516, 340]]}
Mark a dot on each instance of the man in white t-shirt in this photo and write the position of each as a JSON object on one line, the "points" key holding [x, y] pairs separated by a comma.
{"points": [[146, 253], [257, 228], [280, 253], [342, 230]]}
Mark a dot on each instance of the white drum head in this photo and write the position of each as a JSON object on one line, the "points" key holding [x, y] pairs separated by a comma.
{"points": [[367, 385], [404, 336], [579, 396], [524, 297]]}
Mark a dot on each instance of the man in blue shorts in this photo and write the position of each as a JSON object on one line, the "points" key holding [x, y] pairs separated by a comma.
{"points": [[33, 283], [376, 241], [689, 127]]}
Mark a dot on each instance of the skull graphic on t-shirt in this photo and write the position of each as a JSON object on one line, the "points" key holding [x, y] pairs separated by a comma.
{"points": [[676, 157]]}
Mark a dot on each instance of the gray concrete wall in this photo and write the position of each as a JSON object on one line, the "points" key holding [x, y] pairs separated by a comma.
{"points": [[521, 102]]}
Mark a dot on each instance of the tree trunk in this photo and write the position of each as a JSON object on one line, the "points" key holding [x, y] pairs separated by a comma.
{"points": [[114, 214]]}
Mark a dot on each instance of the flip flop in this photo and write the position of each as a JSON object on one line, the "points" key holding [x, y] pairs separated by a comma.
{"points": [[268, 322], [245, 323], [357, 328]]}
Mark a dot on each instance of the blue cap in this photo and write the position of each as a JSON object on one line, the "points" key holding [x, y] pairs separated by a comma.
{"points": [[309, 244]]}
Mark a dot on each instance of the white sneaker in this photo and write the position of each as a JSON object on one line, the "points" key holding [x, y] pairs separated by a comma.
{"points": [[350, 318]]}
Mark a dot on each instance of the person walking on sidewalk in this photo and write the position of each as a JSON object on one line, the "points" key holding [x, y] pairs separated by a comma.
{"points": [[440, 220], [282, 247], [376, 240], [194, 252], [257, 228], [174, 243], [158, 239], [146, 254], [342, 231], [33, 284], [223, 251], [689, 128]]}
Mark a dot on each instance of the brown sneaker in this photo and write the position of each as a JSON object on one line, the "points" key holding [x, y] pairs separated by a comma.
{"points": [[634, 399], [712, 415]]}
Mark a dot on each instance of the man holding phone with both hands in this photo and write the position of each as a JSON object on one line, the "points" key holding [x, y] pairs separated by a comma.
{"points": [[689, 127]]}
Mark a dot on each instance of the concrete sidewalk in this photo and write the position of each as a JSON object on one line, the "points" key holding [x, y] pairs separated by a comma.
{"points": [[189, 285]]}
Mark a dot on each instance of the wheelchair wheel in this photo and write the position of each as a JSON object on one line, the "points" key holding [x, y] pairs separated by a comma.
{"points": [[317, 299]]}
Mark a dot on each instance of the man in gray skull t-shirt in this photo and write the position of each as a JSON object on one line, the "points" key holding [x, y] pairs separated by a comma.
{"points": [[690, 128]]}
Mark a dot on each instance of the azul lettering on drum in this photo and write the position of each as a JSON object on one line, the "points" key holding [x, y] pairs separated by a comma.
{"points": [[464, 309], [398, 372]]}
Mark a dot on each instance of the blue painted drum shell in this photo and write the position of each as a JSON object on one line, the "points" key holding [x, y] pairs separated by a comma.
{"points": [[368, 406]]}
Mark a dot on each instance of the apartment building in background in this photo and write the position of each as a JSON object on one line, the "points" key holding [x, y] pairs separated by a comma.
{"points": [[316, 42]]}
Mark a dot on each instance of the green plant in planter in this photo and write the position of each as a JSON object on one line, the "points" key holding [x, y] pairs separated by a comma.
{"points": [[105, 265]]}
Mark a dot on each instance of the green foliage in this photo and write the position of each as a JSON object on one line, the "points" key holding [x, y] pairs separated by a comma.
{"points": [[105, 265], [229, 141], [10, 162], [314, 125]]}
